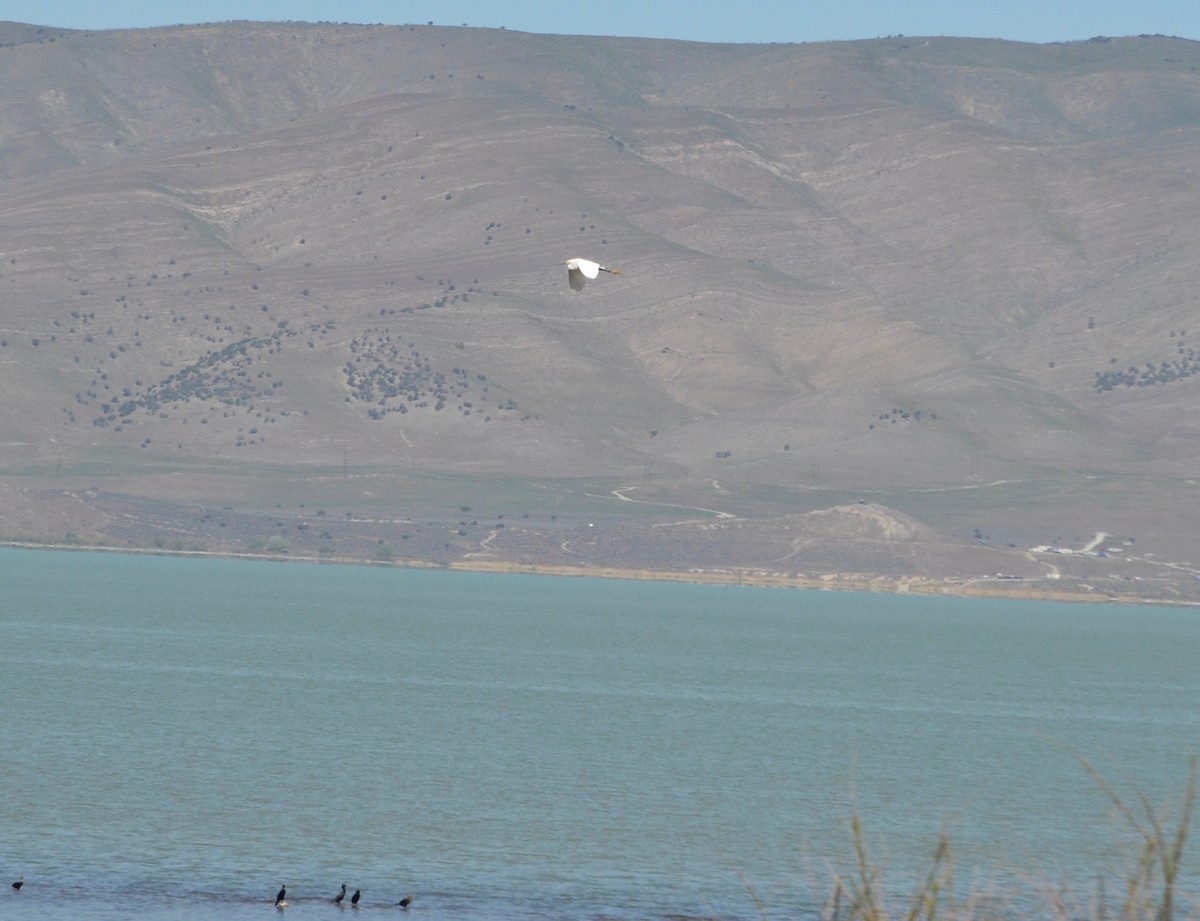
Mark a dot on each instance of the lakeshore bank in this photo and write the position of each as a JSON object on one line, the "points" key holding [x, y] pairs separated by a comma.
{"points": [[999, 588]]}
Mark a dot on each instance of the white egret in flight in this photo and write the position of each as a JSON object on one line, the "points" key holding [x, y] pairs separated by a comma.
{"points": [[580, 269]]}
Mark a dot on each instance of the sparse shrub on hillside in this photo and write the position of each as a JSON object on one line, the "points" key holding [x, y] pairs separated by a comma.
{"points": [[1182, 366], [898, 415], [398, 379], [221, 376], [1150, 375]]}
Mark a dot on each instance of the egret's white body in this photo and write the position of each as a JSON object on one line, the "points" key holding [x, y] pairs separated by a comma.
{"points": [[579, 270]]}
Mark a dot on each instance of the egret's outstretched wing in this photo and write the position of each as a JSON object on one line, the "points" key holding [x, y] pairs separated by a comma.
{"points": [[578, 270]]}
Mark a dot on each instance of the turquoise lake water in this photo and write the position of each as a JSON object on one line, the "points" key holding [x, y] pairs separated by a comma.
{"points": [[178, 737]]}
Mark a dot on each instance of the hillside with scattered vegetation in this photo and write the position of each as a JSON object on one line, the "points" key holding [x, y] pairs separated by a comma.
{"points": [[299, 289]]}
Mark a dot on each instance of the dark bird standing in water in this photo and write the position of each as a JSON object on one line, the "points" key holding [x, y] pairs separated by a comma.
{"points": [[19, 883], [279, 899], [354, 898], [405, 902], [337, 899]]}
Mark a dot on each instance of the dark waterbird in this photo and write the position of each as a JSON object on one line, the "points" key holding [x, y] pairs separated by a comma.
{"points": [[405, 902], [354, 898], [337, 899], [279, 898], [19, 883]]}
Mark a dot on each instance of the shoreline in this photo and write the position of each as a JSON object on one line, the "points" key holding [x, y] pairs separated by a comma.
{"points": [[1014, 589]]}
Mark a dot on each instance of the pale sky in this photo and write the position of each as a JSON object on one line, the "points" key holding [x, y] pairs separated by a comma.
{"points": [[700, 20]]}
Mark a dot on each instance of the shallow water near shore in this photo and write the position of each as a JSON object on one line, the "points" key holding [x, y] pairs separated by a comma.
{"points": [[180, 737]]}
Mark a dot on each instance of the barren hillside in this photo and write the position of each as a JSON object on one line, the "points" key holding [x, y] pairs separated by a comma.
{"points": [[300, 289]]}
